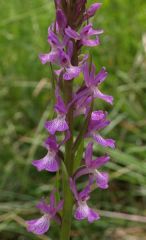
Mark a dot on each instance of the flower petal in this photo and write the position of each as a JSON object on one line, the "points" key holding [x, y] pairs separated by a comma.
{"points": [[98, 115], [53, 39], [51, 143], [81, 211], [100, 161], [84, 194], [92, 10], [85, 30], [60, 106], [98, 94], [101, 76], [82, 106], [63, 58], [102, 179], [91, 42], [70, 49], [58, 124], [60, 205], [86, 74], [52, 199], [93, 216], [49, 57], [72, 34], [104, 142], [71, 72], [49, 163], [88, 154], [43, 206], [73, 188], [39, 226], [61, 19]]}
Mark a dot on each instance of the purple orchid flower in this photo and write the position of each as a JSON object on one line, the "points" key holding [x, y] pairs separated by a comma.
{"points": [[90, 12], [91, 168], [84, 37], [41, 225], [82, 106], [92, 82], [59, 123], [60, 57], [83, 211], [65, 63], [97, 122], [51, 161], [55, 46]]}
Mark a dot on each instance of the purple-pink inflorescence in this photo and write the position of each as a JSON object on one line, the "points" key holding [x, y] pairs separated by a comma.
{"points": [[66, 36]]}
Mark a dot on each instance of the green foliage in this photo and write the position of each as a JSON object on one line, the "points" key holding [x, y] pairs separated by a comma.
{"points": [[26, 102]]}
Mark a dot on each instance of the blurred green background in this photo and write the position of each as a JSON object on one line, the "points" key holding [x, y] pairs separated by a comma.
{"points": [[25, 99]]}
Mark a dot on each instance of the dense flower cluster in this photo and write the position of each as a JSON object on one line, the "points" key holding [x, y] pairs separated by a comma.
{"points": [[66, 36]]}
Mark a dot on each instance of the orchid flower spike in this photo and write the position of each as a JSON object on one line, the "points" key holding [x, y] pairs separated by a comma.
{"points": [[77, 87]]}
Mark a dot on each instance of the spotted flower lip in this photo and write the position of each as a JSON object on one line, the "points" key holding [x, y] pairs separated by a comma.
{"points": [[50, 162], [41, 225], [85, 35], [59, 124], [82, 210]]}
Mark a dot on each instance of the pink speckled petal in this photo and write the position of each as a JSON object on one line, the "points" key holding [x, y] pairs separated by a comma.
{"points": [[39, 226]]}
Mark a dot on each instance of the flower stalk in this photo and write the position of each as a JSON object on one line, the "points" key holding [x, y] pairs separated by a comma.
{"points": [[74, 100]]}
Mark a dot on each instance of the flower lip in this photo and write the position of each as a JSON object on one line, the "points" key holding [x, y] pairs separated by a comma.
{"points": [[102, 179], [39, 226], [59, 124], [50, 162]]}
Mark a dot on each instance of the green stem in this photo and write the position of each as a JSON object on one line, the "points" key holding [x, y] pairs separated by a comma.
{"points": [[68, 160], [67, 214]]}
